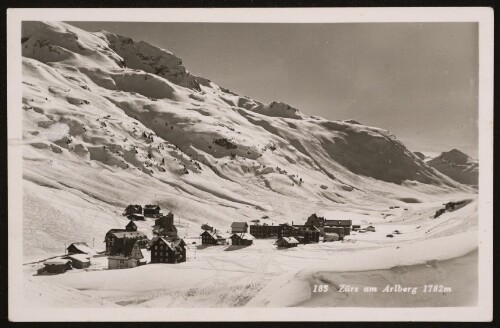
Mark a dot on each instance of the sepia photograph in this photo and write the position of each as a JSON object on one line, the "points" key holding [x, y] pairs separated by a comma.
{"points": [[303, 164]]}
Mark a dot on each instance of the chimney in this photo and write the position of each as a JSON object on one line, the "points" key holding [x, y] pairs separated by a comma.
{"points": [[292, 223]]}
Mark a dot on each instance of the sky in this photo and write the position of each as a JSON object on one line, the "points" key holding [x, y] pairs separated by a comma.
{"points": [[417, 80]]}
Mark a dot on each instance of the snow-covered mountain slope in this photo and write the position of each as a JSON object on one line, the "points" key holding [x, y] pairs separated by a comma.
{"points": [[108, 121], [458, 166]]}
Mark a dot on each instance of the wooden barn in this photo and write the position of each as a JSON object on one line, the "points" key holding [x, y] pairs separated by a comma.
{"points": [[125, 253], [239, 227], [212, 238], [133, 209], [151, 211], [57, 265], [80, 248], [242, 239], [168, 250], [287, 242]]}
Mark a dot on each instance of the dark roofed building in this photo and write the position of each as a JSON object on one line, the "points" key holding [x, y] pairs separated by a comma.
{"points": [[338, 223], [131, 226], [115, 234], [125, 253], [237, 227], [133, 209], [151, 210], [167, 250], [212, 238], [314, 220], [164, 226]]}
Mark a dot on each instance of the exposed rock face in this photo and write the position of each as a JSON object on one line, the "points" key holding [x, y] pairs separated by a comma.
{"points": [[458, 166]]}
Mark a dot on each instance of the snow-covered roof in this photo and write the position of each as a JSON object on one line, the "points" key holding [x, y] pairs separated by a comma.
{"points": [[245, 236], [83, 247], [289, 240], [80, 257], [56, 261], [129, 234]]}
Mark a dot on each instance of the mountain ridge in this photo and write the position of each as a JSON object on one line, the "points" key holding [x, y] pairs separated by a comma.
{"points": [[129, 124]]}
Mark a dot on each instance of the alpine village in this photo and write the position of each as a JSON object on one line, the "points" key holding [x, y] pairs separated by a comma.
{"points": [[125, 247]]}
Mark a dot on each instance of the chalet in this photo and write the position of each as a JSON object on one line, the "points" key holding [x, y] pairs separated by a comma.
{"points": [[136, 217], [287, 242], [125, 253], [80, 248], [239, 227], [316, 221], [264, 230], [212, 238], [151, 210], [242, 239], [133, 209], [113, 235], [310, 234], [79, 261], [57, 265], [206, 227], [168, 250]]}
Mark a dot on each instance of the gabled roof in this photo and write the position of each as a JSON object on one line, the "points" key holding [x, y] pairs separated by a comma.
{"points": [[131, 224], [124, 248], [83, 247], [288, 240], [129, 234], [137, 207], [149, 206], [243, 235], [57, 261], [172, 243], [213, 234], [239, 225]]}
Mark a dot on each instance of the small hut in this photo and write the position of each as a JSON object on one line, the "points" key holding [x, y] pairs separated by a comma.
{"points": [[287, 242]]}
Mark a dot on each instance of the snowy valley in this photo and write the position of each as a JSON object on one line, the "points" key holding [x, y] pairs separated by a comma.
{"points": [[109, 121]]}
